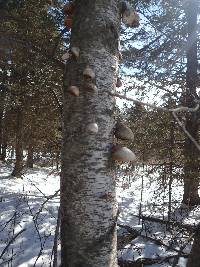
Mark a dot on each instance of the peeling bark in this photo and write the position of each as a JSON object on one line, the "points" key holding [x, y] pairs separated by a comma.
{"points": [[88, 220]]}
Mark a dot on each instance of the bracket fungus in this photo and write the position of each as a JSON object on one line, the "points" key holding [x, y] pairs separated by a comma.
{"points": [[66, 56], [69, 8], [75, 51], [131, 19], [92, 128], [68, 22], [74, 90], [88, 73], [123, 154], [123, 132], [89, 86], [120, 56], [119, 82]]}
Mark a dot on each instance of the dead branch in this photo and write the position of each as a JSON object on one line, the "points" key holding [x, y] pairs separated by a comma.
{"points": [[188, 227], [176, 110], [175, 262], [155, 241], [6, 223], [43, 204], [147, 261], [55, 245], [10, 242], [185, 131]]}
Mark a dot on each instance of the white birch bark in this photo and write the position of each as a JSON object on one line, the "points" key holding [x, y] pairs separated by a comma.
{"points": [[88, 203]]}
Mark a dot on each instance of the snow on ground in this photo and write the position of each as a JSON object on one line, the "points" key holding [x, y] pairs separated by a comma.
{"points": [[21, 207], [28, 216], [142, 194]]}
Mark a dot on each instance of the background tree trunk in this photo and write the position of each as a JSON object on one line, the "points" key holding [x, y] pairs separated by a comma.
{"points": [[17, 172], [88, 203], [29, 162], [2, 107], [191, 165], [194, 258]]}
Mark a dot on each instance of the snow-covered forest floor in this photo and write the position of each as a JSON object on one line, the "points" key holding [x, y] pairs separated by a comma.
{"points": [[29, 209]]}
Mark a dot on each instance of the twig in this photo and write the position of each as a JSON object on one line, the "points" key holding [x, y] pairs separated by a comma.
{"points": [[10, 242], [138, 102], [41, 249], [185, 131], [173, 111], [156, 241], [6, 223], [188, 227], [43, 204], [178, 109], [175, 262], [55, 245]]}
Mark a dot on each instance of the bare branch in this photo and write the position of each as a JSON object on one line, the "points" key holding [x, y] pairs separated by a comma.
{"points": [[10, 242], [185, 131]]}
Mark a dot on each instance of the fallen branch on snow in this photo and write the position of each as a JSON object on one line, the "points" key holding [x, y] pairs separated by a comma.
{"points": [[188, 227]]}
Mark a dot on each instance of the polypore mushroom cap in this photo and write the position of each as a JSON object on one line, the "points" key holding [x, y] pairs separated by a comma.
{"points": [[74, 90], [68, 8], [89, 73], [90, 86], [66, 56], [92, 128], [68, 22], [131, 20], [75, 51], [123, 132], [123, 154], [119, 82]]}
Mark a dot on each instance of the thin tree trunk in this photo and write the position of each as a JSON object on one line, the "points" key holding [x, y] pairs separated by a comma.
{"points": [[3, 152], [88, 203], [191, 164], [29, 162], [17, 172], [2, 105]]}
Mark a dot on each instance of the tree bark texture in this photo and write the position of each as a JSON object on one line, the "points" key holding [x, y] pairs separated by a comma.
{"points": [[2, 110], [88, 202], [19, 145], [29, 162], [191, 164], [194, 258]]}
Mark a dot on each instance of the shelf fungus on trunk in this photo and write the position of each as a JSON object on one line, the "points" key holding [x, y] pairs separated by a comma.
{"points": [[88, 73], [74, 90], [66, 56], [120, 56], [68, 22], [123, 132], [129, 17], [132, 19], [89, 86], [69, 12], [119, 82], [123, 154], [69, 8], [75, 51], [92, 128]]}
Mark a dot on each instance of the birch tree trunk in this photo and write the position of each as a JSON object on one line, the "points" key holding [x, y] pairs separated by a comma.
{"points": [[88, 203]]}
